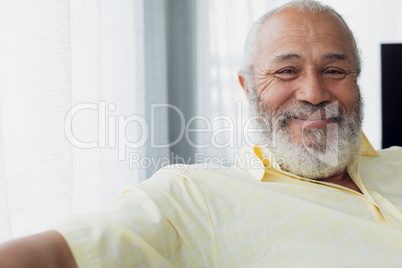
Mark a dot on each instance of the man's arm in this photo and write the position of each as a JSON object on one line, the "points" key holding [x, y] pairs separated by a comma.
{"points": [[48, 249]]}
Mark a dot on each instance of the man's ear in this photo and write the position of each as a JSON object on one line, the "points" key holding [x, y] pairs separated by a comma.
{"points": [[243, 84]]}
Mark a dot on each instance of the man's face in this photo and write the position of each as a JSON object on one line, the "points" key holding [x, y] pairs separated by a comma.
{"points": [[306, 90]]}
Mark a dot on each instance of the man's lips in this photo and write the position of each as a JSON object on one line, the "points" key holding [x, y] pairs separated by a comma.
{"points": [[312, 122]]}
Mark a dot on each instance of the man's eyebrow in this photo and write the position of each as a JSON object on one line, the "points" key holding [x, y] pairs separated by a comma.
{"points": [[286, 57], [336, 56], [328, 56]]}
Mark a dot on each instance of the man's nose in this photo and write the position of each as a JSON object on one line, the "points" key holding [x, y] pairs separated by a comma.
{"points": [[312, 89]]}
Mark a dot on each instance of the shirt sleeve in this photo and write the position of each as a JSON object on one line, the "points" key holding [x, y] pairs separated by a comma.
{"points": [[162, 222]]}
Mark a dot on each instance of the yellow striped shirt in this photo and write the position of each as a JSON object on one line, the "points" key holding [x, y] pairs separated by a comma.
{"points": [[249, 215]]}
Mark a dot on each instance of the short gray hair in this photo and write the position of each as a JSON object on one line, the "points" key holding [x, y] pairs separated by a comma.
{"points": [[251, 45]]}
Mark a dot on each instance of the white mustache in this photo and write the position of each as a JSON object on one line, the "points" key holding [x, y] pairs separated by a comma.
{"points": [[311, 112]]}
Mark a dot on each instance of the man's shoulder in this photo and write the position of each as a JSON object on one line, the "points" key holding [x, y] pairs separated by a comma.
{"points": [[200, 175], [389, 157], [197, 179], [393, 153], [384, 170], [202, 171], [392, 148]]}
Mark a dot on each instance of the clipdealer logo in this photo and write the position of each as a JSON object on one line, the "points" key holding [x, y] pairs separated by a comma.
{"points": [[112, 132], [112, 129]]}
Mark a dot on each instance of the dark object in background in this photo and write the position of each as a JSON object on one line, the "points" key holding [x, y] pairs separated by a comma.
{"points": [[391, 73]]}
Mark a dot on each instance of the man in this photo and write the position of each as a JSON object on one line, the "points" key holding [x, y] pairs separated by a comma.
{"points": [[319, 195]]}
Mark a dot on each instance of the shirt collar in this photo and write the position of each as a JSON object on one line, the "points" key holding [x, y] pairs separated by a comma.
{"points": [[367, 148]]}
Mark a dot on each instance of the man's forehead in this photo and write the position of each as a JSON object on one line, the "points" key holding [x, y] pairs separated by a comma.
{"points": [[302, 30]]}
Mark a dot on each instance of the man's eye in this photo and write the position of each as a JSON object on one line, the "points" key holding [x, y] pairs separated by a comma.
{"points": [[287, 71], [287, 74], [334, 74]]}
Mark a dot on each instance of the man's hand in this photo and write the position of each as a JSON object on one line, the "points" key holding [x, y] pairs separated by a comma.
{"points": [[48, 249]]}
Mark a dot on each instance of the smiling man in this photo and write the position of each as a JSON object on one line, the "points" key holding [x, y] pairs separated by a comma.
{"points": [[300, 75], [319, 195]]}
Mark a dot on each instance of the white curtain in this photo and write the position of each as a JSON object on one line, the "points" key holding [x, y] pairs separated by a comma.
{"points": [[89, 72], [72, 72]]}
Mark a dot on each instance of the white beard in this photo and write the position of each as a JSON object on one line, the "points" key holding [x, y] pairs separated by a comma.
{"points": [[323, 153]]}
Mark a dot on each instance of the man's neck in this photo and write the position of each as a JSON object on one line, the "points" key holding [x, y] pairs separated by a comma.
{"points": [[344, 180]]}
